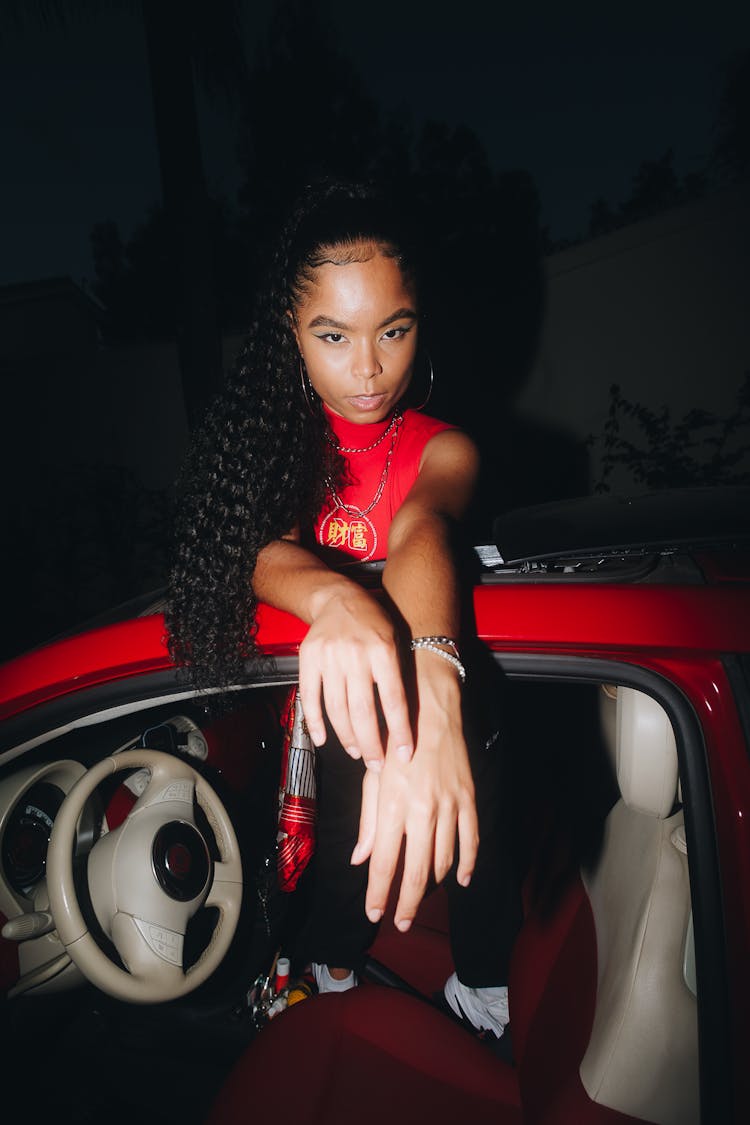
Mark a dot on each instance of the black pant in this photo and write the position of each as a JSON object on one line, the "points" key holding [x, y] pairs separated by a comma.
{"points": [[484, 917]]}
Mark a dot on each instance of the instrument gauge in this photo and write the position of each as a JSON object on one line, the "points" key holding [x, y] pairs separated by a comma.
{"points": [[26, 837]]}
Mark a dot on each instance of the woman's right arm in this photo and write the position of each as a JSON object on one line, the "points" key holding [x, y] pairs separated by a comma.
{"points": [[350, 648]]}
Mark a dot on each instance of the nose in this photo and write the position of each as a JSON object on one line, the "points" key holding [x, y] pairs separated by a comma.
{"points": [[366, 364]]}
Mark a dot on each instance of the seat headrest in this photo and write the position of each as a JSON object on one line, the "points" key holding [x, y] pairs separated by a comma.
{"points": [[645, 753]]}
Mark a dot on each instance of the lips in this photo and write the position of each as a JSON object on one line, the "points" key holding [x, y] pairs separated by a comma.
{"points": [[367, 403]]}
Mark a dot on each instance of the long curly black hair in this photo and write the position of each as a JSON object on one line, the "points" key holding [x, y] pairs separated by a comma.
{"points": [[258, 464]]}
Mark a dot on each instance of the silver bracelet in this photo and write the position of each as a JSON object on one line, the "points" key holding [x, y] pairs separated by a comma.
{"points": [[449, 641], [431, 644]]}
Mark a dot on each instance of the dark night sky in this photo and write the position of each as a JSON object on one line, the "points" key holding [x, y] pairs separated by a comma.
{"points": [[576, 94]]}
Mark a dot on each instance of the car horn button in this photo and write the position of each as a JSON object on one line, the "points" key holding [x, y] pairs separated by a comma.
{"points": [[181, 861]]}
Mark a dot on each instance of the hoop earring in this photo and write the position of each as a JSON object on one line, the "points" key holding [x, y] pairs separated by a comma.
{"points": [[429, 389], [304, 380]]}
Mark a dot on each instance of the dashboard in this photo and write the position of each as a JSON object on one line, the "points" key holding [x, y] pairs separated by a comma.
{"points": [[30, 799], [230, 750], [26, 836]]}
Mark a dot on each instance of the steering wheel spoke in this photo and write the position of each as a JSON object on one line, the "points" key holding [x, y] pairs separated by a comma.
{"points": [[146, 948], [226, 889], [168, 787]]}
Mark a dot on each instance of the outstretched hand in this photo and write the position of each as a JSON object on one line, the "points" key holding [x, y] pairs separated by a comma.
{"points": [[349, 651], [430, 801]]}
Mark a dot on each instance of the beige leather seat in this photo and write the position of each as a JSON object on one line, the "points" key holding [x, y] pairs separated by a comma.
{"points": [[642, 1057]]}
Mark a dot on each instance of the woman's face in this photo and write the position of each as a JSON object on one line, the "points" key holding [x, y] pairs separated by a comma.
{"points": [[356, 329]]}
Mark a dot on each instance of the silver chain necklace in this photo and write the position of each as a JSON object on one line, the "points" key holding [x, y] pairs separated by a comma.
{"points": [[395, 421], [352, 509]]}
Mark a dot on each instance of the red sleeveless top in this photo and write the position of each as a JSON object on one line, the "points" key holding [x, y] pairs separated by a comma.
{"points": [[354, 527]]}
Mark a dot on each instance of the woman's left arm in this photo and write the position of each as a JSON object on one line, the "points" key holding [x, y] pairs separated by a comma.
{"points": [[431, 797]]}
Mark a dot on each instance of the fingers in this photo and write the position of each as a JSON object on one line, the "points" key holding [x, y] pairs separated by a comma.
{"points": [[386, 847], [430, 849], [445, 841], [402, 805], [344, 678], [394, 704], [368, 818], [321, 679], [417, 868], [468, 843], [310, 684], [355, 719]]}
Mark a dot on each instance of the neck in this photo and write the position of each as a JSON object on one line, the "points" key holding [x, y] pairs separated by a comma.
{"points": [[355, 433]]}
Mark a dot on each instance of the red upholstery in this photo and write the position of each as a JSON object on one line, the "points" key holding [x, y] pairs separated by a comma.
{"points": [[372, 1056], [552, 997], [422, 957]]}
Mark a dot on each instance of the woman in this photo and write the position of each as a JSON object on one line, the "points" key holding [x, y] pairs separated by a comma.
{"points": [[311, 451]]}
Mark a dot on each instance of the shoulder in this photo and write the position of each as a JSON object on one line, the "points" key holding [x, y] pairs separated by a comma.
{"points": [[450, 451], [440, 443], [446, 471], [420, 426], [417, 431], [443, 455]]}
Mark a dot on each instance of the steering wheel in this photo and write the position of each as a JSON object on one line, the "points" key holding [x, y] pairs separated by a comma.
{"points": [[146, 879]]}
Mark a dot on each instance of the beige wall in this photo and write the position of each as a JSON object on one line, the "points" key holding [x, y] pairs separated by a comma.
{"points": [[660, 307]]}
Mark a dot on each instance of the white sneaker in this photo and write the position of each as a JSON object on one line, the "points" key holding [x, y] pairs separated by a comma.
{"points": [[486, 1009], [327, 983]]}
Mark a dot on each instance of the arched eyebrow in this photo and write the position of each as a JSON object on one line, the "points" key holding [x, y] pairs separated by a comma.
{"points": [[399, 314], [324, 321]]}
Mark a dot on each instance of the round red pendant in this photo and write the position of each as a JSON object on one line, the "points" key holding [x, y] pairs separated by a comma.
{"points": [[353, 533]]}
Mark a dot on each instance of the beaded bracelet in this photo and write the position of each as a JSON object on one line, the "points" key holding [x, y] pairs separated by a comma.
{"points": [[432, 644], [419, 641]]}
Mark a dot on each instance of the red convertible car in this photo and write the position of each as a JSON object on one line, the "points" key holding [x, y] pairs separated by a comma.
{"points": [[140, 917]]}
